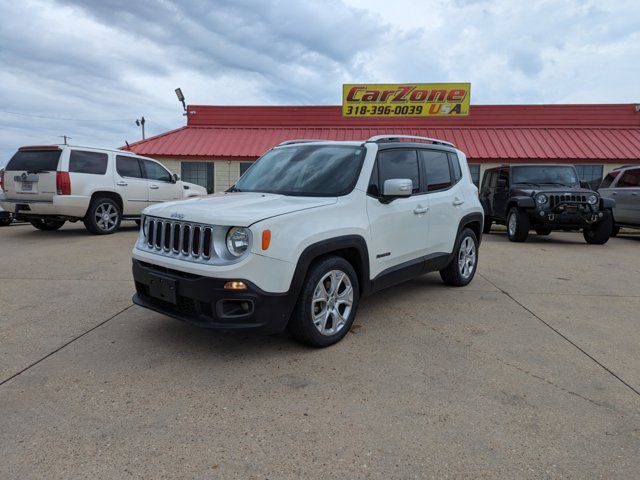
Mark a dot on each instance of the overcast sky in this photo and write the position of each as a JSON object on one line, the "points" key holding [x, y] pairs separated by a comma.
{"points": [[88, 69]]}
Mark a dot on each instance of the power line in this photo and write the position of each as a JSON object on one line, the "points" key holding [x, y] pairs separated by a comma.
{"points": [[48, 117]]}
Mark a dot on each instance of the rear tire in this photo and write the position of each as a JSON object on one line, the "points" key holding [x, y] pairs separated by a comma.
{"points": [[4, 222], [464, 263], [103, 217], [327, 304], [518, 225], [486, 228], [47, 225], [599, 233]]}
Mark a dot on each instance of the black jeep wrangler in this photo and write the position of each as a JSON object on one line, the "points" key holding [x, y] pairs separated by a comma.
{"points": [[543, 197]]}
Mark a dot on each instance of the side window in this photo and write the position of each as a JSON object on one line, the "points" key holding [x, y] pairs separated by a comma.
{"points": [[455, 165], [436, 168], [154, 171], [94, 163], [398, 164], [494, 179], [128, 166], [503, 175], [608, 180], [630, 178]]}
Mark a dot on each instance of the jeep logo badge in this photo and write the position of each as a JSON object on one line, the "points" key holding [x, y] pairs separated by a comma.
{"points": [[177, 215]]}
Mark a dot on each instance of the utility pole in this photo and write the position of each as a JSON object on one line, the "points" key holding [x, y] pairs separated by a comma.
{"points": [[65, 138], [140, 122]]}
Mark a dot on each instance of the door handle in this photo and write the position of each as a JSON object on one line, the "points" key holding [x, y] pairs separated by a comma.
{"points": [[419, 210], [635, 194], [457, 201], [614, 193], [154, 187], [122, 184]]}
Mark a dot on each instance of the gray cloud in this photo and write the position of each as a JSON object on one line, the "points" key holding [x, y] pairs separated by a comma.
{"points": [[91, 67]]}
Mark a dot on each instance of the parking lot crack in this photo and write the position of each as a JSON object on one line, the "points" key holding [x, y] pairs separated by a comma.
{"points": [[565, 338], [78, 337]]}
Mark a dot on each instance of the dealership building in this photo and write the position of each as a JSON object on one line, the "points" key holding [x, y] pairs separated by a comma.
{"points": [[219, 143]]}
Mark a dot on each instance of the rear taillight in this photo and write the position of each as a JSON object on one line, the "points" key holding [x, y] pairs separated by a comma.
{"points": [[1, 180], [63, 183]]}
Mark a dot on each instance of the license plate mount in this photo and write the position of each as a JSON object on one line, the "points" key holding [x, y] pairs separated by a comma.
{"points": [[163, 288]]}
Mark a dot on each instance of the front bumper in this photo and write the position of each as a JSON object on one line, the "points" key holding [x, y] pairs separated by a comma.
{"points": [[203, 301]]}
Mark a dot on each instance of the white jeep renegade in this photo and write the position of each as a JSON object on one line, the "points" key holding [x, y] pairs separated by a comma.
{"points": [[307, 231], [48, 185]]}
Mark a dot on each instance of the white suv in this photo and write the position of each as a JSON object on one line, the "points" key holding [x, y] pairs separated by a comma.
{"points": [[48, 185], [307, 231]]}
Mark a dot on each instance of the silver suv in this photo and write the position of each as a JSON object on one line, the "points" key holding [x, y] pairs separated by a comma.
{"points": [[623, 185]]}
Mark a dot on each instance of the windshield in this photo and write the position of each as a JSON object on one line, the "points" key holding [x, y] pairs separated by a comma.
{"points": [[550, 175], [35, 160], [304, 170]]}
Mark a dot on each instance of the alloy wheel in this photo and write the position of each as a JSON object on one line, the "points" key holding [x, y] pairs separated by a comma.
{"points": [[106, 216], [467, 257], [332, 302], [512, 224]]}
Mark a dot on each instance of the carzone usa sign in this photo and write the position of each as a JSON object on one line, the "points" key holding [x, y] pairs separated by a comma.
{"points": [[406, 100]]}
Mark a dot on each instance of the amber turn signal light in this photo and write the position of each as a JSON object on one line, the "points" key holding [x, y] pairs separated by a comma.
{"points": [[266, 239], [235, 286]]}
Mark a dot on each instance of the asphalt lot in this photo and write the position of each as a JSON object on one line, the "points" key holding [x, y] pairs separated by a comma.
{"points": [[532, 371]]}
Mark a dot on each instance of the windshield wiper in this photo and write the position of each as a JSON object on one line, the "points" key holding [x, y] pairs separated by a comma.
{"points": [[234, 189]]}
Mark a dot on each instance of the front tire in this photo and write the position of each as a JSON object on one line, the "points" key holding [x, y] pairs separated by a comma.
{"points": [[103, 217], [5, 221], [47, 225], [615, 231], [599, 233], [462, 267], [518, 225], [327, 303], [486, 228]]}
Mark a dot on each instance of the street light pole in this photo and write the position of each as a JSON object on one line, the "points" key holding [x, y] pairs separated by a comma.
{"points": [[140, 122]]}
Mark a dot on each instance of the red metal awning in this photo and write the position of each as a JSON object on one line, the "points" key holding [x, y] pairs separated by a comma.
{"points": [[588, 133]]}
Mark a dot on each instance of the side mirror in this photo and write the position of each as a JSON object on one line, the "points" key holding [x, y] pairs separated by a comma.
{"points": [[584, 184], [397, 187], [175, 177], [502, 183]]}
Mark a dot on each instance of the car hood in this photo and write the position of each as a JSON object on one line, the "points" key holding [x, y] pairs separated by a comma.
{"points": [[235, 209], [552, 189]]}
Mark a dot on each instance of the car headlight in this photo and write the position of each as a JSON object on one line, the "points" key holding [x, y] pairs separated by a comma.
{"points": [[238, 241], [542, 199], [592, 199]]}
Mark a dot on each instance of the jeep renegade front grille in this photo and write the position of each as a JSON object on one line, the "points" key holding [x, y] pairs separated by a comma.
{"points": [[556, 199], [179, 238]]}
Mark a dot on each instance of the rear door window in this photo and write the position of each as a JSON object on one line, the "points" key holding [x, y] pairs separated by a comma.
{"points": [[94, 163], [398, 164], [34, 161], [436, 168], [154, 171], [630, 179], [455, 165], [128, 166]]}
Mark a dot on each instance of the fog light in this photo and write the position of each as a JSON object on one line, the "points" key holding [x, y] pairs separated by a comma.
{"points": [[235, 286]]}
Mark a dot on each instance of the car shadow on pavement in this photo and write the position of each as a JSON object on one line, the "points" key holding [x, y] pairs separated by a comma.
{"points": [[79, 231]]}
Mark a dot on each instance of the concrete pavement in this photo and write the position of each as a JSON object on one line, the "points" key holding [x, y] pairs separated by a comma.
{"points": [[529, 372]]}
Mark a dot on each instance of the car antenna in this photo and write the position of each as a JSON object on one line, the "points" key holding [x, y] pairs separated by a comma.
{"points": [[127, 144]]}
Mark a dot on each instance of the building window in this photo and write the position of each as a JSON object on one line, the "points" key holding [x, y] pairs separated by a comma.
{"points": [[475, 173], [592, 174], [244, 166], [200, 173]]}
